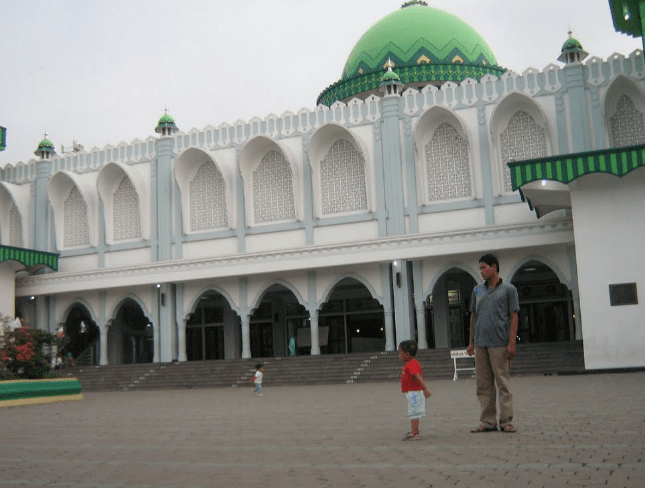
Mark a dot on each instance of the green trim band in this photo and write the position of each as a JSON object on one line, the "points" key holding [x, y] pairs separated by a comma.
{"points": [[29, 257], [422, 73], [568, 167]]}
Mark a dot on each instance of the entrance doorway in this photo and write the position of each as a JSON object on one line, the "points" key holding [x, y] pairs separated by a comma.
{"points": [[546, 305], [355, 321], [449, 309]]}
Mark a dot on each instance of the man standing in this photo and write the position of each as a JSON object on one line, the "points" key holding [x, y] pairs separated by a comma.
{"points": [[493, 330]]}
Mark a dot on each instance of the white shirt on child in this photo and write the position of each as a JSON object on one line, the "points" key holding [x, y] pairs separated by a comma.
{"points": [[258, 377]]}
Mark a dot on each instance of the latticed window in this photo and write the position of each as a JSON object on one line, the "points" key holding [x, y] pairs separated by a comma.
{"points": [[15, 227], [208, 199], [627, 124], [523, 139], [76, 232], [273, 190], [126, 217], [447, 165], [342, 180]]}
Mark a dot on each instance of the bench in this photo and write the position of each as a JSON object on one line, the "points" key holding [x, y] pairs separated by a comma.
{"points": [[460, 355]]}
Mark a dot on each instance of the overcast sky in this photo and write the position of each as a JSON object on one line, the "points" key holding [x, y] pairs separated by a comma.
{"points": [[102, 72]]}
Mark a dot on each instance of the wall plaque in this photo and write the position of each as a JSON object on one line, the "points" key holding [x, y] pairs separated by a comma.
{"points": [[623, 294]]}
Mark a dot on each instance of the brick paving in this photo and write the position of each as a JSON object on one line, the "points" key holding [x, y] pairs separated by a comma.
{"points": [[581, 431]]}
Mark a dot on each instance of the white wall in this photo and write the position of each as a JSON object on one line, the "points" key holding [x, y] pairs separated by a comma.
{"points": [[7, 282], [609, 229]]}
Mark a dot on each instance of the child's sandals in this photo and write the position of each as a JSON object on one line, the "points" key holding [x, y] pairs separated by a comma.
{"points": [[411, 437]]}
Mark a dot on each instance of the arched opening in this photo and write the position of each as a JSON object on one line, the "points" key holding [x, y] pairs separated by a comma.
{"points": [[131, 336], [275, 323], [82, 335], [448, 310], [212, 329], [546, 305], [351, 320]]}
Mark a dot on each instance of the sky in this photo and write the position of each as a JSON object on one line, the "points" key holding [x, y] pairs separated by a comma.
{"points": [[102, 72]]}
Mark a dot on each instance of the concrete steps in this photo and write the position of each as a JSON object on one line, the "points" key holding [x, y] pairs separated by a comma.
{"points": [[310, 370]]}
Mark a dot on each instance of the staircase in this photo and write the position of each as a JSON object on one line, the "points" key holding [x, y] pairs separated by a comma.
{"points": [[311, 370]]}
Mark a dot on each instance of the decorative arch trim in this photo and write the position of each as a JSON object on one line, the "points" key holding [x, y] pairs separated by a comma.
{"points": [[328, 291]]}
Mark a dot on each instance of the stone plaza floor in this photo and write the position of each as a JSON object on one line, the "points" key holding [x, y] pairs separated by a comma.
{"points": [[578, 431]]}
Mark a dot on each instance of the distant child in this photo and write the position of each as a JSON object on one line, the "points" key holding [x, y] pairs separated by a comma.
{"points": [[414, 387], [257, 379]]}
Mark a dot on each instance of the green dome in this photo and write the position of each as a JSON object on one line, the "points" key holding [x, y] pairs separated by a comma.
{"points": [[571, 44], [166, 125], [46, 143], [425, 44], [166, 119], [45, 147]]}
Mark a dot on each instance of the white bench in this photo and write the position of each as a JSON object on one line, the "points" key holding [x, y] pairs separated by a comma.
{"points": [[460, 355]]}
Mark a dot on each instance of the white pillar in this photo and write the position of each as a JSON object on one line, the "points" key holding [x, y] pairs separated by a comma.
{"points": [[389, 331], [156, 342], [246, 337], [181, 342], [103, 339], [421, 327], [315, 338]]}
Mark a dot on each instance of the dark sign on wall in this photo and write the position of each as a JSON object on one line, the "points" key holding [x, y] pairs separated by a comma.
{"points": [[623, 294]]}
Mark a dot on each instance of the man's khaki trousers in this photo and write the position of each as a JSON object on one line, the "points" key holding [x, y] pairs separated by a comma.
{"points": [[491, 368]]}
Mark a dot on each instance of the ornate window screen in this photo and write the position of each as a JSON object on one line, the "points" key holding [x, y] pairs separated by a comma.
{"points": [[273, 190], [627, 127], [76, 232], [208, 199], [126, 216], [15, 227], [522, 139], [447, 165], [342, 180]]}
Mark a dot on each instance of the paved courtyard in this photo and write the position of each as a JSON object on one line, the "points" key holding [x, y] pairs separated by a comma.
{"points": [[573, 431]]}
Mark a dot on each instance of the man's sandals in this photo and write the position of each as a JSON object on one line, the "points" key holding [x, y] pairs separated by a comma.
{"points": [[509, 429]]}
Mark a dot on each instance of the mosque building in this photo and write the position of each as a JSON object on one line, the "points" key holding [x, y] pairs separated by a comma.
{"points": [[358, 224]]}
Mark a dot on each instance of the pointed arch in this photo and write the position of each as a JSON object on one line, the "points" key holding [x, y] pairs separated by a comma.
{"points": [[128, 297], [75, 204], [443, 157], [330, 288], [624, 109], [14, 204], [206, 183], [215, 290], [255, 303], [445, 269], [342, 174], [125, 197], [520, 131], [272, 181]]}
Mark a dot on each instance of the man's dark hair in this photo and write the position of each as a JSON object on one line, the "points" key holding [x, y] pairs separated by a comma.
{"points": [[410, 347], [489, 259]]}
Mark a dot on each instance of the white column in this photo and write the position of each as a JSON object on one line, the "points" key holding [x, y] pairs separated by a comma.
{"points": [[156, 341], [246, 337], [315, 338], [103, 339], [389, 331], [421, 327], [181, 342]]}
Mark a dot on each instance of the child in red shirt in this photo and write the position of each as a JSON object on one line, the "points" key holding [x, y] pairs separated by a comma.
{"points": [[414, 387]]}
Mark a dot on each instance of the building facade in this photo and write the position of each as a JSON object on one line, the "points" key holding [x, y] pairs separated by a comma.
{"points": [[349, 227]]}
